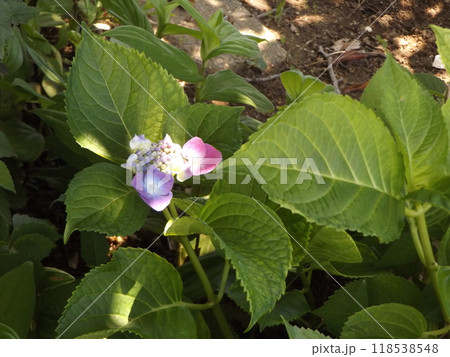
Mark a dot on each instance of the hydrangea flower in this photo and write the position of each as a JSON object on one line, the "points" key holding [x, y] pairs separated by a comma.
{"points": [[155, 165]]}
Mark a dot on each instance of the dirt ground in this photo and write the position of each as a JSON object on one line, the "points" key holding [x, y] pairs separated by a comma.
{"points": [[307, 24]]}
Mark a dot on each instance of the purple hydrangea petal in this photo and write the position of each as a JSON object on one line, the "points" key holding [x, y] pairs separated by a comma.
{"points": [[154, 187]]}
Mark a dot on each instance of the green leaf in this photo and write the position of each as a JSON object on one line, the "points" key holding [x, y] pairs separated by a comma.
{"points": [[33, 246], [253, 239], [443, 282], [348, 173], [5, 178], [216, 124], [328, 244], [229, 87], [45, 55], [7, 332], [210, 40], [387, 288], [13, 54], [298, 86], [292, 305], [233, 42], [366, 268], [115, 93], [128, 12], [300, 233], [446, 114], [187, 205], [438, 194], [28, 143], [94, 248], [18, 12], [343, 303], [444, 249], [17, 296], [145, 300], [176, 62], [385, 321], [75, 155], [186, 226], [6, 149], [435, 85], [24, 224], [414, 119], [56, 278], [295, 332], [99, 199], [50, 305], [443, 43]]}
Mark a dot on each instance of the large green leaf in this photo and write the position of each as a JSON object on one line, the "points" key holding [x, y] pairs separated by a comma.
{"points": [[348, 173], [443, 43], [128, 12], [415, 120], [99, 199], [443, 282], [28, 143], [5, 178], [17, 296], [137, 292], [233, 42], [216, 124], [229, 87], [343, 303], [175, 61], [115, 93], [385, 321], [357, 295], [253, 239], [328, 244]]}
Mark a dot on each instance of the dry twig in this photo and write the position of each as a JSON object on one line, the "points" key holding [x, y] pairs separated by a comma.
{"points": [[330, 69]]}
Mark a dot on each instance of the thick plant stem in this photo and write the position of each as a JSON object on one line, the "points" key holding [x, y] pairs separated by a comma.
{"points": [[430, 263], [216, 309]]}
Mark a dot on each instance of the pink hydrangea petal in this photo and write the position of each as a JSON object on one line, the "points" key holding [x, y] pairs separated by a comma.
{"points": [[162, 182], [208, 163], [194, 148]]}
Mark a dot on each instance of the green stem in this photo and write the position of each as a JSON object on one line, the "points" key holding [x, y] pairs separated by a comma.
{"points": [[306, 281], [173, 210], [212, 298], [223, 281], [439, 332], [205, 306], [416, 239], [430, 263], [167, 214]]}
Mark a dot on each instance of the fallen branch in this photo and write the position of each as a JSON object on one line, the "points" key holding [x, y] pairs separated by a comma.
{"points": [[263, 79], [330, 69]]}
